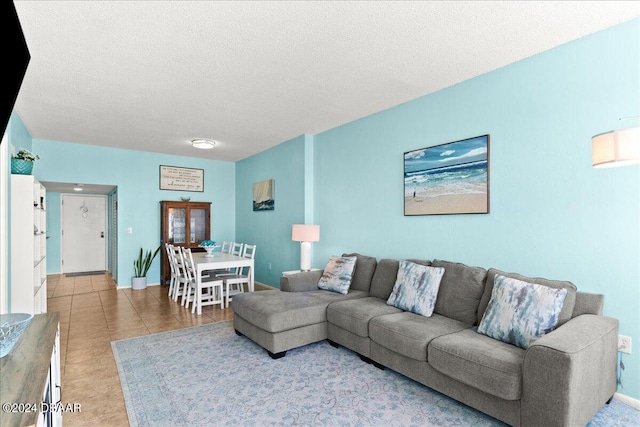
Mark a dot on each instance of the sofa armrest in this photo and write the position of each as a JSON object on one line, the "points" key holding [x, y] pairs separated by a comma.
{"points": [[570, 373], [300, 282]]}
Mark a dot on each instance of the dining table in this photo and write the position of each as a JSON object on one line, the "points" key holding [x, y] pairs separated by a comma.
{"points": [[218, 261]]}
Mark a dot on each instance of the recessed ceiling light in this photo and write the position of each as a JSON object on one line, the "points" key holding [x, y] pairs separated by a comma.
{"points": [[203, 144], [77, 188]]}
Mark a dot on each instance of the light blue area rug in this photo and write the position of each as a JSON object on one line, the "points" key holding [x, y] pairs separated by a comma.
{"points": [[209, 376]]}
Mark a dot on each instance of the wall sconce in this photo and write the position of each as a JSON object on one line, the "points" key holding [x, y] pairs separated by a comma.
{"points": [[305, 234], [620, 147]]}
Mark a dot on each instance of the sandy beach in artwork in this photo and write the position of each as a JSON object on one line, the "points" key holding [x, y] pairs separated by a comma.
{"points": [[430, 201]]}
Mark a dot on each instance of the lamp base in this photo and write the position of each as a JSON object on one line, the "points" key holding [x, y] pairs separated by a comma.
{"points": [[305, 256]]}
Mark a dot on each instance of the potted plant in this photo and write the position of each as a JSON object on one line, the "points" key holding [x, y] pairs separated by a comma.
{"points": [[141, 267], [22, 163]]}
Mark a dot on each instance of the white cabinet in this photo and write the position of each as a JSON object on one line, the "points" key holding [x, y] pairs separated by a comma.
{"points": [[50, 409], [30, 377], [28, 245]]}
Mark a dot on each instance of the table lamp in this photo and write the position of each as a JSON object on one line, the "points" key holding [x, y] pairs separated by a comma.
{"points": [[305, 234]]}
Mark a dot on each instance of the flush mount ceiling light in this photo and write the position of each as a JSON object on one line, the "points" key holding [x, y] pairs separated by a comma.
{"points": [[78, 187], [203, 144]]}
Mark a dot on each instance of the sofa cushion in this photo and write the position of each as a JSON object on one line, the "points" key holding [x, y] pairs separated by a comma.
{"points": [[337, 275], [365, 267], [385, 277], [416, 288], [569, 301], [354, 315], [277, 311], [460, 291], [519, 312], [409, 334], [479, 361]]}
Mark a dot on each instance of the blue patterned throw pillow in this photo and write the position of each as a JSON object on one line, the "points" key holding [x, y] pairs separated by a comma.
{"points": [[337, 274], [519, 312], [416, 288]]}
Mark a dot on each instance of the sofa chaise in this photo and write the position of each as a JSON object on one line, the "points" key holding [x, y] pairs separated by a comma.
{"points": [[562, 378]]}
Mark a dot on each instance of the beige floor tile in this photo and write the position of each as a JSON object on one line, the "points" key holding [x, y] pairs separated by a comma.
{"points": [[84, 355], [126, 322], [165, 328], [85, 343], [122, 334]]}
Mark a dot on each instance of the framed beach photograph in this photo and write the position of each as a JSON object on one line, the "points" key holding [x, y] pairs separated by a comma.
{"points": [[447, 179], [263, 197]]}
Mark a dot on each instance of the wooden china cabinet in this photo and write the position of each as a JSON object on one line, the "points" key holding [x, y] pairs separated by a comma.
{"points": [[182, 224]]}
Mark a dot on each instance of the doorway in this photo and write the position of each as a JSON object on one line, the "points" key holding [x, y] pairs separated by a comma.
{"points": [[84, 233]]}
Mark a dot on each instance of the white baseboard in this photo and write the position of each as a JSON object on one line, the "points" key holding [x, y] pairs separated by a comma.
{"points": [[129, 285], [634, 403]]}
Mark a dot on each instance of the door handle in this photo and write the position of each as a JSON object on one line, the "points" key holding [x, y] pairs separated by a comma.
{"points": [[102, 234]]}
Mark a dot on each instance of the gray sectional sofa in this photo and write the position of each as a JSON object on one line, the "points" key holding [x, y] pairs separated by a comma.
{"points": [[562, 379]]}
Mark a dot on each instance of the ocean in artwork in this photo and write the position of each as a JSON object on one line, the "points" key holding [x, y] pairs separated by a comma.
{"points": [[458, 179]]}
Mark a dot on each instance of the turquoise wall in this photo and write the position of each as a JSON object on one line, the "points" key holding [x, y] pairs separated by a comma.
{"points": [[136, 174], [19, 136], [552, 214], [271, 230]]}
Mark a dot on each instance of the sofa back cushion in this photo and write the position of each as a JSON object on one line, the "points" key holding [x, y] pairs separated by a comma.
{"points": [[365, 267], [588, 303], [460, 292], [384, 278], [569, 301]]}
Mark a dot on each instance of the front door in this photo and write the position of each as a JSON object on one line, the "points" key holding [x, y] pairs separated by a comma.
{"points": [[84, 233]]}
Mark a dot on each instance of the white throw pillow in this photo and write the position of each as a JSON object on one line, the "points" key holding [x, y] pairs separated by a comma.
{"points": [[519, 312], [416, 288], [337, 274]]}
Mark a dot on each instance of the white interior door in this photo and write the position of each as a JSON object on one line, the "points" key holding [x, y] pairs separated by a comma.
{"points": [[84, 233]]}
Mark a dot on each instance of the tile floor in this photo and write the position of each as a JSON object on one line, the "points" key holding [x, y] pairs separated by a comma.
{"points": [[93, 312]]}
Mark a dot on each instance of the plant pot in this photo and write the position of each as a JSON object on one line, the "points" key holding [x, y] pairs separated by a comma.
{"points": [[21, 167], [139, 283]]}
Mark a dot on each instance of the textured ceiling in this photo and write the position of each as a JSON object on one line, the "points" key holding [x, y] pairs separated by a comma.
{"points": [[153, 75]]}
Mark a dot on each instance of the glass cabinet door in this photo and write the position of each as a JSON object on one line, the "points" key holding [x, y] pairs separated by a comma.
{"points": [[197, 227], [177, 225]]}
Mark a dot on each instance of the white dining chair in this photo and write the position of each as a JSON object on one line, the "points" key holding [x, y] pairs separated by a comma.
{"points": [[237, 250], [234, 283], [178, 279], [210, 290], [168, 248], [225, 248]]}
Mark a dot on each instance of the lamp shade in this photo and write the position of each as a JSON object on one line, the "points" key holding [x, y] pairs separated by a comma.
{"points": [[305, 233], [616, 148]]}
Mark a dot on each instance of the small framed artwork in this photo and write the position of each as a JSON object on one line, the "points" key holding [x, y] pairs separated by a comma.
{"points": [[181, 179], [263, 195], [451, 178]]}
